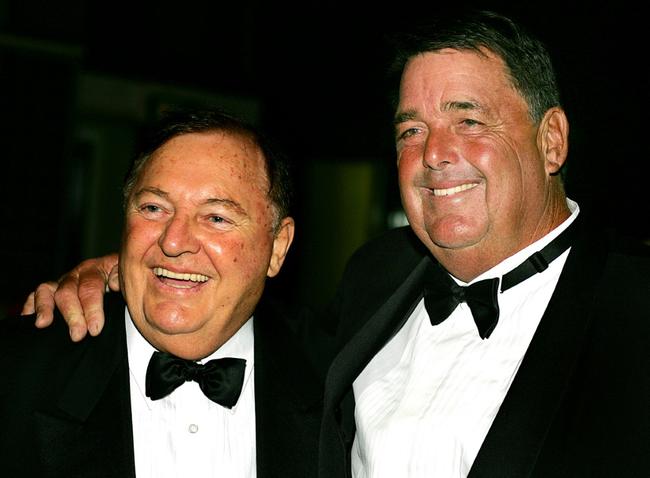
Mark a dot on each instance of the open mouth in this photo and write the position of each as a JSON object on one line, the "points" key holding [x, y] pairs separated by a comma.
{"points": [[182, 280], [454, 190]]}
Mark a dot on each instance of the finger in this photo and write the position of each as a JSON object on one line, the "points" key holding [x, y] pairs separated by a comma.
{"points": [[114, 280], [28, 306], [44, 304], [68, 303], [92, 286]]}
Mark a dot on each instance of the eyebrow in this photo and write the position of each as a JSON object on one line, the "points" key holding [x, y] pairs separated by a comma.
{"points": [[463, 106], [228, 203], [151, 190], [404, 116], [410, 115]]}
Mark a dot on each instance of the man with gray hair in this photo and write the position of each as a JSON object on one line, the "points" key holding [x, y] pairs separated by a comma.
{"points": [[498, 335], [194, 375]]}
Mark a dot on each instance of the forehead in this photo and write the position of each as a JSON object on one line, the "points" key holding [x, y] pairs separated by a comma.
{"points": [[215, 156], [455, 75]]}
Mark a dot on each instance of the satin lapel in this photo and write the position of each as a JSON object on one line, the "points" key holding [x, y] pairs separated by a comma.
{"points": [[89, 431], [288, 400], [518, 432], [363, 346]]}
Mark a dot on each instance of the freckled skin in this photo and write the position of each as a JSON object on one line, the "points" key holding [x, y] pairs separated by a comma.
{"points": [[493, 145], [199, 205]]}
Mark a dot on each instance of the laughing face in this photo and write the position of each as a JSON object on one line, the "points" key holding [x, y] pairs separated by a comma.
{"points": [[200, 239], [476, 174]]}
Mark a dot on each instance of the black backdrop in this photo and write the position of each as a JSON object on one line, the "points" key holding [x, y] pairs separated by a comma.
{"points": [[313, 73]]}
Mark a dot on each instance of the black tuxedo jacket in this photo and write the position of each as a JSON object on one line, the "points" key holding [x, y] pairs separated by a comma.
{"points": [[579, 405], [65, 407]]}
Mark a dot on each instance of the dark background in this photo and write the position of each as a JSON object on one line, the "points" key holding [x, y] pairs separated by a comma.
{"points": [[79, 78]]}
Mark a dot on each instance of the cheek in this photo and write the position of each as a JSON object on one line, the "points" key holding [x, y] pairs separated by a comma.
{"points": [[217, 249], [407, 167], [235, 257], [135, 244], [494, 163], [407, 171], [484, 155], [139, 241], [127, 265], [140, 235]]}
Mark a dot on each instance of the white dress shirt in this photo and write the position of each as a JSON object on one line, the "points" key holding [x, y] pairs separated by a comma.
{"points": [[425, 402], [185, 434]]}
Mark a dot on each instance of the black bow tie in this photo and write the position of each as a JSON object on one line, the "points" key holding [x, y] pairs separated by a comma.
{"points": [[441, 298], [442, 295], [220, 379]]}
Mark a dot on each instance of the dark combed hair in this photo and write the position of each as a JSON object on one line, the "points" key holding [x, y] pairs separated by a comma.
{"points": [[526, 58], [177, 122]]}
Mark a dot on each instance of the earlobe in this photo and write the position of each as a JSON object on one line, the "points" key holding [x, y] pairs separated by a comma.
{"points": [[553, 139], [281, 243]]}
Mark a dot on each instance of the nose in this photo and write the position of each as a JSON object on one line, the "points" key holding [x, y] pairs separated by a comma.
{"points": [[439, 149], [179, 237]]}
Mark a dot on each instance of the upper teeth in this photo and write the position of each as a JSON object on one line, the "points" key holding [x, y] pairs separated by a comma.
{"points": [[159, 271], [454, 190]]}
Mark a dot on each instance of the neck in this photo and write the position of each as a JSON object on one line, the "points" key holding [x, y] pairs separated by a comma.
{"points": [[469, 262]]}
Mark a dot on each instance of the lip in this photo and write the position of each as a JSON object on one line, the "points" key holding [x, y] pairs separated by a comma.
{"points": [[178, 281], [449, 189], [453, 190], [187, 275]]}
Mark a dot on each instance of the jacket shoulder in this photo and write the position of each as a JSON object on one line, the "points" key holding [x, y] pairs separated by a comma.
{"points": [[20, 337], [396, 249], [288, 394], [625, 282]]}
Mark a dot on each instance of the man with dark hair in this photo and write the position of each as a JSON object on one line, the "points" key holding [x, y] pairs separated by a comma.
{"points": [[501, 337], [194, 375], [498, 335]]}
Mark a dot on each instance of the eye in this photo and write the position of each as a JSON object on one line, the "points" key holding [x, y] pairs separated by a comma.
{"points": [[150, 211], [470, 122], [219, 222], [407, 133], [150, 208]]}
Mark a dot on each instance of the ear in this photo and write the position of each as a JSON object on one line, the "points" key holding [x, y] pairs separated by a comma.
{"points": [[281, 243], [553, 139]]}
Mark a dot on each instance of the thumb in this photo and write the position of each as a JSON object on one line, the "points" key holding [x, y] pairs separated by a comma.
{"points": [[113, 282]]}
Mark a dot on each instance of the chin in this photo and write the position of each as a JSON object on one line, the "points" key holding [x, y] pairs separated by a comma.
{"points": [[452, 233], [171, 319]]}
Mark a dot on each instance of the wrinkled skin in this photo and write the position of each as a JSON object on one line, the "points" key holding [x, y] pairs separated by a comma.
{"points": [[477, 176], [200, 207]]}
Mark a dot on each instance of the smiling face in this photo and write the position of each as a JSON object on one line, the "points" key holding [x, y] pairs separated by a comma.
{"points": [[199, 241], [477, 176]]}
